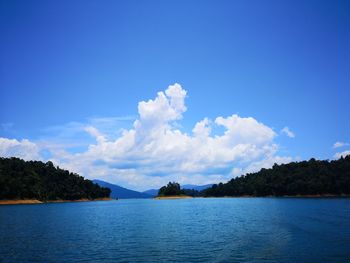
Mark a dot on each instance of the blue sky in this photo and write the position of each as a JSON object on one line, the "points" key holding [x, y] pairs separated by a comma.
{"points": [[69, 65]]}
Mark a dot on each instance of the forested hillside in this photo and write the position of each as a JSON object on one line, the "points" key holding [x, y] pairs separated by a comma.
{"points": [[311, 177], [43, 181]]}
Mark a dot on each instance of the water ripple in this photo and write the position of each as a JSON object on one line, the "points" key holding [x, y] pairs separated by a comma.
{"points": [[191, 230]]}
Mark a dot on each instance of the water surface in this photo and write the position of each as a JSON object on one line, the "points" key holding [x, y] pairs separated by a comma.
{"points": [[187, 230]]}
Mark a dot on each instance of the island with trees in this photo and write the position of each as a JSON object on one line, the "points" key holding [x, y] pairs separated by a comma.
{"points": [[37, 182], [172, 191]]}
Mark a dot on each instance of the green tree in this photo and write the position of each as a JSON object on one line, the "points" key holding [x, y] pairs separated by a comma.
{"points": [[171, 189], [43, 181], [311, 177]]}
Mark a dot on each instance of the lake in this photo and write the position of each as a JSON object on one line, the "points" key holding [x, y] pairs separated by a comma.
{"points": [[187, 230]]}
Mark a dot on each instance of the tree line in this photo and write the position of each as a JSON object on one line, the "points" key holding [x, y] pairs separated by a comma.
{"points": [[21, 179], [311, 177]]}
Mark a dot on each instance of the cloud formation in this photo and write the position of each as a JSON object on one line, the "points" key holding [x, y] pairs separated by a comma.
{"points": [[341, 154], [23, 149], [339, 145], [155, 151], [288, 132]]}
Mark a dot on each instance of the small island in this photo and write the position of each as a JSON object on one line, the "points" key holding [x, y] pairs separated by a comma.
{"points": [[33, 182], [172, 191]]}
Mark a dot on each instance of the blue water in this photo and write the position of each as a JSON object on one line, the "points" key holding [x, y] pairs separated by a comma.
{"points": [[188, 230]]}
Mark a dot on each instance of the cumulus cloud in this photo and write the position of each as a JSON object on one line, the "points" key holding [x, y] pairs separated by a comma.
{"points": [[339, 145], [23, 149], [341, 154], [288, 132], [154, 150]]}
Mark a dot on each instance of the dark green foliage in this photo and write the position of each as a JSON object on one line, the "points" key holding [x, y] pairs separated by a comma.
{"points": [[171, 189], [192, 192], [37, 180], [297, 178]]}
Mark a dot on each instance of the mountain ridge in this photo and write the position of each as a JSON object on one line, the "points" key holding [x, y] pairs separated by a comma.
{"points": [[120, 192]]}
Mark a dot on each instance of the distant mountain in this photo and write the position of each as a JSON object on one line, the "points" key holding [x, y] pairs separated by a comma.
{"points": [[196, 187], [151, 192], [121, 192], [154, 192]]}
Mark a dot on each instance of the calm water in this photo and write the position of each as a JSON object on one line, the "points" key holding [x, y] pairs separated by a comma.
{"points": [[188, 230]]}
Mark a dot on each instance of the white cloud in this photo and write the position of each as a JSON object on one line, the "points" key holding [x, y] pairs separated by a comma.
{"points": [[267, 163], [339, 145], [95, 133], [288, 132], [341, 154], [202, 128], [155, 151], [23, 149]]}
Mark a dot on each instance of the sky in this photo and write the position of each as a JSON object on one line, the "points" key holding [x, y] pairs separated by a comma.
{"points": [[139, 93]]}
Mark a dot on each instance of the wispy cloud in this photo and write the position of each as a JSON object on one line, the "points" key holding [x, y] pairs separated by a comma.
{"points": [[74, 133], [288, 132], [339, 145]]}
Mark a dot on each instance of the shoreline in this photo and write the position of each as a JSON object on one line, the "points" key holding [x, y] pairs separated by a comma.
{"points": [[172, 197], [251, 196], [281, 196], [36, 201]]}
